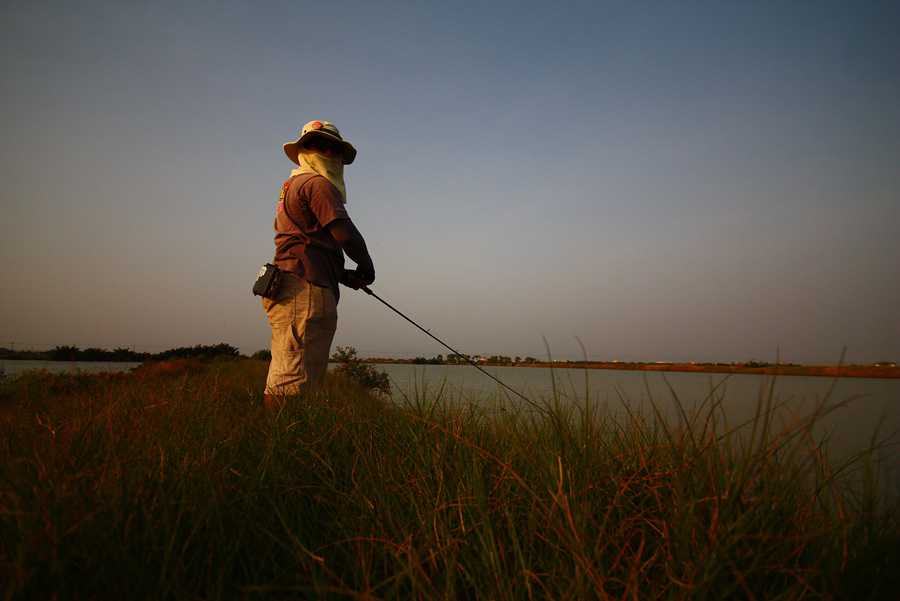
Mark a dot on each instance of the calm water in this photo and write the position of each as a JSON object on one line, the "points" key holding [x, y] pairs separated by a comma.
{"points": [[14, 367], [871, 403]]}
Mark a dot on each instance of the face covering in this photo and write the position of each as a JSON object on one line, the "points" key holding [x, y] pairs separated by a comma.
{"points": [[330, 168]]}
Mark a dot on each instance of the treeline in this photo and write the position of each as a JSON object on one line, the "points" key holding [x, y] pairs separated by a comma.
{"points": [[454, 359], [121, 355]]}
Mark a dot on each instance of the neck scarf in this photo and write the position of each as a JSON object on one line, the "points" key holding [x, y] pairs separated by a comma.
{"points": [[330, 168]]}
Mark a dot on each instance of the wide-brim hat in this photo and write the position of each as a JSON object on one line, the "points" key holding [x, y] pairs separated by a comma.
{"points": [[322, 129]]}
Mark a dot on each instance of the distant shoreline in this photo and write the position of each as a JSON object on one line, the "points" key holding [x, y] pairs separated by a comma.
{"points": [[829, 371]]}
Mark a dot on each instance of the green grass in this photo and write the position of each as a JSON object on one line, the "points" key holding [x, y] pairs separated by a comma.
{"points": [[173, 483]]}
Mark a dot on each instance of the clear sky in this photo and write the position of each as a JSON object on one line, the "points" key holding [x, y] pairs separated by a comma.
{"points": [[709, 181]]}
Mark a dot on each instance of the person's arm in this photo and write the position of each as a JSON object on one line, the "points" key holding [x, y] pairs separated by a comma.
{"points": [[354, 245]]}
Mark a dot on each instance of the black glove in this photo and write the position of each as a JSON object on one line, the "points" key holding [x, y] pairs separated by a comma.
{"points": [[357, 278], [366, 275]]}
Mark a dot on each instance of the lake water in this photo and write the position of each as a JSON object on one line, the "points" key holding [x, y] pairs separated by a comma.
{"points": [[55, 367], [870, 404], [739, 393]]}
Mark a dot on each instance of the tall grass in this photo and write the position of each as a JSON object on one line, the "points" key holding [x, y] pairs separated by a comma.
{"points": [[174, 483]]}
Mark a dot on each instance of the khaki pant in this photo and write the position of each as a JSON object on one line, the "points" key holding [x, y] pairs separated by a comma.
{"points": [[303, 317]]}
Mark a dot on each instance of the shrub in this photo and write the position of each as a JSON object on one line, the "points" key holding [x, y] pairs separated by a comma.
{"points": [[353, 368]]}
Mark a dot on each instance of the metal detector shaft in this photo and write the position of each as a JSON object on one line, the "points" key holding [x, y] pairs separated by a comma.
{"points": [[445, 345]]}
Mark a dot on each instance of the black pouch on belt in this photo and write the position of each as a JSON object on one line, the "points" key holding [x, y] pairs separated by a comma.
{"points": [[267, 281]]}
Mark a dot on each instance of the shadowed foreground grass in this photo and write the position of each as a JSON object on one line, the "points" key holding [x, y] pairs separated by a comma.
{"points": [[172, 483]]}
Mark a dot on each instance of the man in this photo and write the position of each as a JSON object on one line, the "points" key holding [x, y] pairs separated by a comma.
{"points": [[312, 233]]}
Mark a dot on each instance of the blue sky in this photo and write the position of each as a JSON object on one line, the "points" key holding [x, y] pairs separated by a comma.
{"points": [[651, 180]]}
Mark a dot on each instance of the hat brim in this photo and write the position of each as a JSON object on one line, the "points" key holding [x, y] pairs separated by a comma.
{"points": [[291, 148]]}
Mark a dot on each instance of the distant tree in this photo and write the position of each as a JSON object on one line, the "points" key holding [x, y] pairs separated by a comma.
{"points": [[263, 355], [423, 361], [126, 354], [95, 354], [198, 352], [756, 364], [65, 353]]}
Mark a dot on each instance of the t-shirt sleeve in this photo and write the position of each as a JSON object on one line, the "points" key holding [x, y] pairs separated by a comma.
{"points": [[325, 201]]}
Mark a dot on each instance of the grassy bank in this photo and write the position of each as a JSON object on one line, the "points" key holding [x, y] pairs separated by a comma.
{"points": [[172, 483]]}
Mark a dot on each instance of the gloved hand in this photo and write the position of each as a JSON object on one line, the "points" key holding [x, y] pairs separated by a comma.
{"points": [[357, 278], [366, 275]]}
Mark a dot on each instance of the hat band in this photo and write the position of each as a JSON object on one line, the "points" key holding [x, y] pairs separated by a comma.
{"points": [[325, 131]]}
